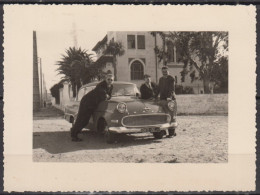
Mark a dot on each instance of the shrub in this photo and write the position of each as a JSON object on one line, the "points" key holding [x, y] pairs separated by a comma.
{"points": [[179, 89]]}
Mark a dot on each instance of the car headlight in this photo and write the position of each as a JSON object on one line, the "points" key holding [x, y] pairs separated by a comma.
{"points": [[121, 107], [171, 105]]}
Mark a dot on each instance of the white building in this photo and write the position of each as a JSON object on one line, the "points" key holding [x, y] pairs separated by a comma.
{"points": [[140, 58]]}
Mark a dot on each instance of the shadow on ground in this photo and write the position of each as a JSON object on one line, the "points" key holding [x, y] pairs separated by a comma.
{"points": [[60, 142], [48, 113]]}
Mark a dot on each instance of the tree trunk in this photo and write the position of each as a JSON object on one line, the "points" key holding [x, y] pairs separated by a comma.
{"points": [[164, 57], [115, 67], [206, 85], [74, 91], [57, 99], [156, 62]]}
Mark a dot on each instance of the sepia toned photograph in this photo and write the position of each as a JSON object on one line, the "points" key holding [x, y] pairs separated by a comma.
{"points": [[100, 99], [131, 96]]}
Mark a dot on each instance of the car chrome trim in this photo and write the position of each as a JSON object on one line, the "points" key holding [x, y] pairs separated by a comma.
{"points": [[139, 129], [160, 114], [114, 121], [118, 106], [67, 117], [147, 108]]}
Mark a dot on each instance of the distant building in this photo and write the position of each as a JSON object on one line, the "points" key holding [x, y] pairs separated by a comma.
{"points": [[140, 58]]}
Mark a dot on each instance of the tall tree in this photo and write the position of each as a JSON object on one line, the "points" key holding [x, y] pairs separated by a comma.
{"points": [[206, 51], [36, 88], [115, 49], [77, 67], [161, 52], [209, 48]]}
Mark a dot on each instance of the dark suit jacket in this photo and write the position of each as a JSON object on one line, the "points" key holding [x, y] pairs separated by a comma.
{"points": [[97, 95], [166, 88], [147, 92]]}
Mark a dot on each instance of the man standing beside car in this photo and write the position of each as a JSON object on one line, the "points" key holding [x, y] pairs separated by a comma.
{"points": [[89, 103], [166, 89], [148, 89]]}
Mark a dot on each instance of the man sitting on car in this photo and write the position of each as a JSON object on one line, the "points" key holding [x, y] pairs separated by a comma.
{"points": [[148, 88], [89, 103]]}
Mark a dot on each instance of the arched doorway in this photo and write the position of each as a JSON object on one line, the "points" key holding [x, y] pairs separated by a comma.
{"points": [[137, 70]]}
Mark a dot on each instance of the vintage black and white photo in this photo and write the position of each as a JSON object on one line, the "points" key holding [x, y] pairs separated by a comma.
{"points": [[188, 103], [131, 95]]}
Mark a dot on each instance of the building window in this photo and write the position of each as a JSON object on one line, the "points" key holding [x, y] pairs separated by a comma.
{"points": [[140, 42], [137, 71], [176, 79], [131, 41], [170, 51]]}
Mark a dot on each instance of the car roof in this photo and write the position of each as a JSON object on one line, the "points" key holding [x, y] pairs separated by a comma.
{"points": [[96, 82]]}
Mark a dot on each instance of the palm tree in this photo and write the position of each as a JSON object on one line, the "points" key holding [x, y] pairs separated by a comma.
{"points": [[161, 53], [77, 67], [115, 49]]}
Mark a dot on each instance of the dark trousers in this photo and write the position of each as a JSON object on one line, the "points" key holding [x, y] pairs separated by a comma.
{"points": [[84, 114], [164, 104], [173, 114]]}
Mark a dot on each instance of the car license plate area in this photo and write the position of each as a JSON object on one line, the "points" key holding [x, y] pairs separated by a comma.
{"points": [[150, 129]]}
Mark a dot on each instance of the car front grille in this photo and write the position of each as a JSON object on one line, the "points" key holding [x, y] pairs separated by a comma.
{"points": [[145, 120]]}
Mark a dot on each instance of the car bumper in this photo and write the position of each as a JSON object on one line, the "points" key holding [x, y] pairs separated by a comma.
{"points": [[125, 130]]}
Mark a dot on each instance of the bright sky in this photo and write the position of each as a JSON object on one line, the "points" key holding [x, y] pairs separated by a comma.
{"points": [[55, 25], [52, 43], [56, 28]]}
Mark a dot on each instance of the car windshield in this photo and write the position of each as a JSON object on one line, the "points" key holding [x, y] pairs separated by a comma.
{"points": [[124, 90]]}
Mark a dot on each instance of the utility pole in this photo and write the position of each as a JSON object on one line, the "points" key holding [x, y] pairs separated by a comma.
{"points": [[74, 34], [156, 63], [36, 91], [44, 97], [41, 96]]}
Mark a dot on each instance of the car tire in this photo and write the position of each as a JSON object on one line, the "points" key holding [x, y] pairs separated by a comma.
{"points": [[102, 128], [172, 132], [158, 135]]}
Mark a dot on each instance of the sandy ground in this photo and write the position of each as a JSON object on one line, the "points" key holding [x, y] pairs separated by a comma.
{"points": [[200, 139]]}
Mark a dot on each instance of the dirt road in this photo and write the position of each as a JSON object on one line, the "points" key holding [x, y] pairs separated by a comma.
{"points": [[200, 139]]}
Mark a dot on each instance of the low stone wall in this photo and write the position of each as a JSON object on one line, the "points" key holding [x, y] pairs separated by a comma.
{"points": [[202, 104], [205, 104]]}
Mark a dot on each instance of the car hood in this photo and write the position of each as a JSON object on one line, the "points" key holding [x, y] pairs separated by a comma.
{"points": [[134, 105], [138, 106]]}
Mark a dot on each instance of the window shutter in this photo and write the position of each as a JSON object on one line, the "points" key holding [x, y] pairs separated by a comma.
{"points": [[131, 41], [140, 42]]}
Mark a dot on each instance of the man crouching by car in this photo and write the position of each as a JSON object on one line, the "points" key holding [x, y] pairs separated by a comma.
{"points": [[89, 103], [166, 89]]}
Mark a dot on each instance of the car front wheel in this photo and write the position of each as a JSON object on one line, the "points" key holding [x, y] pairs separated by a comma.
{"points": [[108, 135], [158, 135]]}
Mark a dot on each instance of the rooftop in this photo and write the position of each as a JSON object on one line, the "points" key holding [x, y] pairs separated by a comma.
{"points": [[100, 44]]}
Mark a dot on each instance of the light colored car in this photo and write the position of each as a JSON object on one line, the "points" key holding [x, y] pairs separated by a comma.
{"points": [[126, 113]]}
